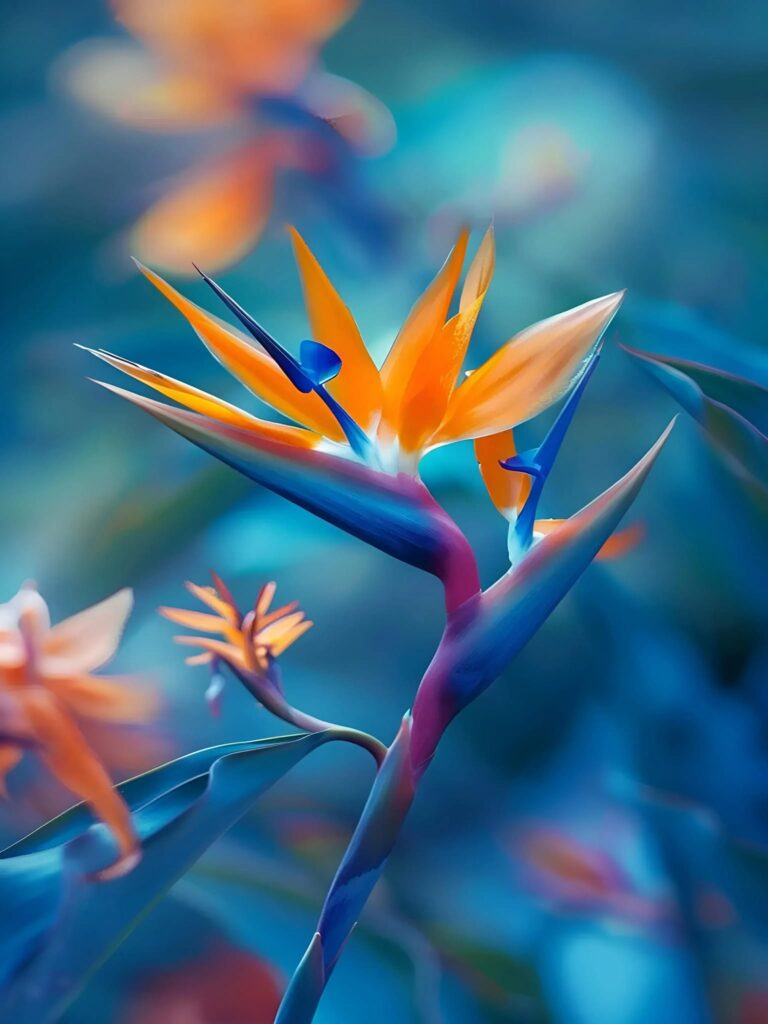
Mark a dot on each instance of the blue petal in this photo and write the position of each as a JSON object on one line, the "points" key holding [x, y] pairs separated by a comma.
{"points": [[319, 362], [539, 462], [302, 378]]}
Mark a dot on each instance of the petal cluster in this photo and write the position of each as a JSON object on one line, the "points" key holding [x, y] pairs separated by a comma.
{"points": [[47, 684], [415, 401], [247, 643]]}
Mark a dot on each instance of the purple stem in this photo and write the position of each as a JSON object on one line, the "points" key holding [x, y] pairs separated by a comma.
{"points": [[377, 831]]}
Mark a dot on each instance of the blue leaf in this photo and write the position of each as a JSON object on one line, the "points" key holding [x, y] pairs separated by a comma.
{"points": [[397, 515], [733, 411], [58, 926]]}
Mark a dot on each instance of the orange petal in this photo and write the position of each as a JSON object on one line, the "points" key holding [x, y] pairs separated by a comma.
{"points": [[622, 542], [424, 321], [209, 596], [278, 613], [251, 47], [109, 699], [12, 652], [208, 405], [272, 633], [66, 752], [228, 628], [212, 215], [9, 758], [199, 659], [195, 620], [357, 387], [127, 83], [289, 637], [617, 545], [250, 365], [264, 600], [434, 377], [508, 490], [224, 592], [86, 641], [228, 652], [528, 374]]}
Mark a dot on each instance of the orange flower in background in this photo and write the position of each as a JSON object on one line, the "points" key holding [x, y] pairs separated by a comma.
{"points": [[249, 645], [246, 46], [199, 64], [47, 684]]}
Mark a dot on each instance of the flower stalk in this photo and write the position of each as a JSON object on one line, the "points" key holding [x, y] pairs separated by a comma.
{"points": [[250, 648]]}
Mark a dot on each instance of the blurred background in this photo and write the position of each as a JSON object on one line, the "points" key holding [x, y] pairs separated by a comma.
{"points": [[590, 845]]}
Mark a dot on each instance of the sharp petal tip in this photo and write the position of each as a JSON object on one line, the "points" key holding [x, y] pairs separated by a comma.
{"points": [[142, 267], [663, 437]]}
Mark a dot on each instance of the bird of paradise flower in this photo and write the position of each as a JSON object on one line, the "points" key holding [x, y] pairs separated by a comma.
{"points": [[354, 461], [246, 65], [387, 419]]}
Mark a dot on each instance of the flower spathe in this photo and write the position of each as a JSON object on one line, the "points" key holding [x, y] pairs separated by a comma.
{"points": [[47, 684], [414, 401]]}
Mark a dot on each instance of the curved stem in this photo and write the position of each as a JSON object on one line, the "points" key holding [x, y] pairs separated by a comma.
{"points": [[377, 831], [369, 848], [268, 693], [308, 723]]}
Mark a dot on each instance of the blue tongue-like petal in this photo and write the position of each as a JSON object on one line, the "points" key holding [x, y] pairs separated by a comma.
{"points": [[290, 366], [318, 365], [538, 462], [319, 362]]}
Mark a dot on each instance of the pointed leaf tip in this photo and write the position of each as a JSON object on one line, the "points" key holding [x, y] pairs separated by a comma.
{"points": [[732, 410]]}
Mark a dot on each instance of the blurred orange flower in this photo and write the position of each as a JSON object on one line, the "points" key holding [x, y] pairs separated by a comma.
{"points": [[202, 64], [47, 683]]}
